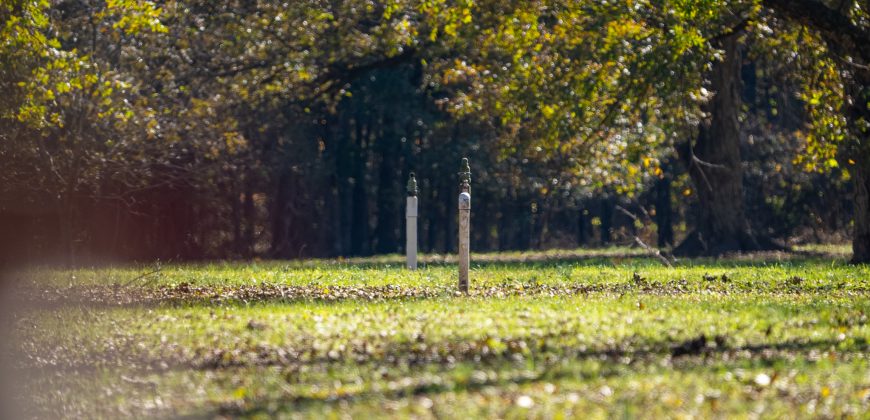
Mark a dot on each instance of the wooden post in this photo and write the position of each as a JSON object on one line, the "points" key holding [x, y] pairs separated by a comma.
{"points": [[411, 224], [464, 224]]}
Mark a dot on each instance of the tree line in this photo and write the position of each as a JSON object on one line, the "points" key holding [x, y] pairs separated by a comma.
{"points": [[199, 129]]}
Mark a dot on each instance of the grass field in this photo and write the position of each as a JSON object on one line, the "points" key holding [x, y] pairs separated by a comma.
{"points": [[556, 335]]}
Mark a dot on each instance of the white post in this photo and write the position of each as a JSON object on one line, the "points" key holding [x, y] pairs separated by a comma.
{"points": [[464, 224], [411, 224], [464, 239]]}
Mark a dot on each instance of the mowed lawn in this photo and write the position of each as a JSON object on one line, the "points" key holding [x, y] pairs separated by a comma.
{"points": [[589, 334]]}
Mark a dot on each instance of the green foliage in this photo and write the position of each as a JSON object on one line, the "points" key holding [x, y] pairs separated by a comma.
{"points": [[125, 101], [601, 86], [50, 74]]}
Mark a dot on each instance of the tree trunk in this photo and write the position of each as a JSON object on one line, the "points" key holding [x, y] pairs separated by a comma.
{"points": [[450, 220], [664, 219], [237, 221], [388, 199], [248, 213], [845, 38], [359, 234], [433, 219], [861, 235], [606, 220], [505, 224], [279, 225], [715, 167], [859, 90], [582, 226]]}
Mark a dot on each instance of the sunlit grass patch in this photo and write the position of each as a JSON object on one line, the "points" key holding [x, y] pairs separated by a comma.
{"points": [[605, 336]]}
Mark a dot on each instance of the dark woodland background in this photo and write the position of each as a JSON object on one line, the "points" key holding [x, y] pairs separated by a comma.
{"points": [[216, 171]]}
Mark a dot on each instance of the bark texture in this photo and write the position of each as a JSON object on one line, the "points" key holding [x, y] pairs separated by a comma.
{"points": [[664, 213], [861, 235], [715, 166], [848, 38], [859, 90]]}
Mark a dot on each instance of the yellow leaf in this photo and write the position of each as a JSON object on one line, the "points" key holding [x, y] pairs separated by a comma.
{"points": [[548, 111]]}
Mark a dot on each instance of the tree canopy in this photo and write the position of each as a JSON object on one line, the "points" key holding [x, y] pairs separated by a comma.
{"points": [[244, 123]]}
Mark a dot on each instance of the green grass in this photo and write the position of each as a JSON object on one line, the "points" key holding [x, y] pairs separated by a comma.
{"points": [[557, 334]]}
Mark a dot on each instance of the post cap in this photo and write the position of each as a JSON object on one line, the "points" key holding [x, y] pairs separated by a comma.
{"points": [[412, 185], [465, 175], [464, 201]]}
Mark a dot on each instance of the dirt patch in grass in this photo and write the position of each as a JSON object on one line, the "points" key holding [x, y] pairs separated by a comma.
{"points": [[116, 295]]}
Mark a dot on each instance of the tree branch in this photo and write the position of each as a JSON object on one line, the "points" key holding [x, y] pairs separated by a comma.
{"points": [[842, 36]]}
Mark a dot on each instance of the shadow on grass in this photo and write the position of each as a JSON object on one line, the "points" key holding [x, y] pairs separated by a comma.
{"points": [[186, 295], [610, 362], [581, 258], [618, 257]]}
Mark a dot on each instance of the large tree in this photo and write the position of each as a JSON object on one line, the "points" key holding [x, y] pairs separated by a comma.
{"points": [[844, 26], [671, 47], [714, 162]]}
